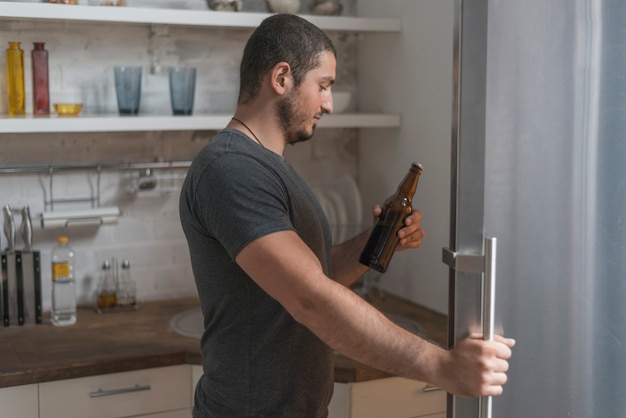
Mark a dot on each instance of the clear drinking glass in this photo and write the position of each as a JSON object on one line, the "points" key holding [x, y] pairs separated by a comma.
{"points": [[182, 90], [128, 89]]}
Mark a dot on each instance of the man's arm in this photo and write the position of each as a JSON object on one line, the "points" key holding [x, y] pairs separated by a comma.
{"points": [[284, 267], [346, 266]]}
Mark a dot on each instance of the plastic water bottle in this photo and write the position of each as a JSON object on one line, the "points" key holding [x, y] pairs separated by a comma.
{"points": [[63, 287]]}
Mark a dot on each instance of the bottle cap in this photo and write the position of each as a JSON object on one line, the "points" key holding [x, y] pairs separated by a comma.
{"points": [[106, 265], [416, 167]]}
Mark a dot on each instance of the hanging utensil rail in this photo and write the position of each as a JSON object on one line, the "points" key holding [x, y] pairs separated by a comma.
{"points": [[96, 167], [94, 198]]}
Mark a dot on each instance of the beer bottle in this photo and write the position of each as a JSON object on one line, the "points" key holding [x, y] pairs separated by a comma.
{"points": [[384, 238]]}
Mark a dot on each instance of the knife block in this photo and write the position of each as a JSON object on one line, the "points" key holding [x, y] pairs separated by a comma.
{"points": [[20, 287]]}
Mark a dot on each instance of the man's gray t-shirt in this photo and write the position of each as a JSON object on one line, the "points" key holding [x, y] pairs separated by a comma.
{"points": [[258, 361]]}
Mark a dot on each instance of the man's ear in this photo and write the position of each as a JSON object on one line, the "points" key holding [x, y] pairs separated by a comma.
{"points": [[281, 78]]}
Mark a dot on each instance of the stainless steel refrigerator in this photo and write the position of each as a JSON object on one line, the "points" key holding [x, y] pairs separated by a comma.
{"points": [[539, 163]]}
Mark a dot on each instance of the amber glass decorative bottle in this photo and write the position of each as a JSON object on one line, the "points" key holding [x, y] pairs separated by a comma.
{"points": [[15, 79], [41, 89], [383, 240]]}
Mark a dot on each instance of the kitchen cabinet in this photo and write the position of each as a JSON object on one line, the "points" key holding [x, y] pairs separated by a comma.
{"points": [[196, 374], [97, 347], [392, 397], [160, 392], [153, 19], [19, 401]]}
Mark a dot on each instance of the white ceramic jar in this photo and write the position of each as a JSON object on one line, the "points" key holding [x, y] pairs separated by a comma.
{"points": [[283, 6]]}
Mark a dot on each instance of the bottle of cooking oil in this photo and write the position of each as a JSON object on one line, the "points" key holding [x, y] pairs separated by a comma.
{"points": [[15, 79], [383, 240], [107, 289], [63, 285]]}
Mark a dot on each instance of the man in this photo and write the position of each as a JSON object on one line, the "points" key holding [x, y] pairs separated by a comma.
{"points": [[273, 289]]}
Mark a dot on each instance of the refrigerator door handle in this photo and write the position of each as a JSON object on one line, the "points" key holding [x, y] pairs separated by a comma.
{"points": [[486, 264], [489, 308]]}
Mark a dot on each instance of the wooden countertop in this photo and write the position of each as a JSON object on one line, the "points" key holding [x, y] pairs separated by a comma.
{"points": [[126, 341]]}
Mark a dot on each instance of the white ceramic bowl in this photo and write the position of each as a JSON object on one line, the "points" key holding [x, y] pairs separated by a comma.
{"points": [[341, 101], [283, 6]]}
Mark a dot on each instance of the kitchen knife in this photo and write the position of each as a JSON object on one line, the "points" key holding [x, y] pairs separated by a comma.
{"points": [[28, 267], [18, 293], [37, 281], [19, 278], [9, 232], [4, 288]]}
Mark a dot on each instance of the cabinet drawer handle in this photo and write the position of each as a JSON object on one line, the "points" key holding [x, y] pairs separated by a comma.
{"points": [[431, 388], [136, 388]]}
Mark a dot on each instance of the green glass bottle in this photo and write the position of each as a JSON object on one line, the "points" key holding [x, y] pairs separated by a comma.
{"points": [[15, 79]]}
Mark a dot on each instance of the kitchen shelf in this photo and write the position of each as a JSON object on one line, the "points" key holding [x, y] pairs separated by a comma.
{"points": [[207, 18], [115, 123], [198, 18]]}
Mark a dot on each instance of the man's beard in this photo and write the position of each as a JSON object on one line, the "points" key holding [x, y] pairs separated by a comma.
{"points": [[288, 119]]}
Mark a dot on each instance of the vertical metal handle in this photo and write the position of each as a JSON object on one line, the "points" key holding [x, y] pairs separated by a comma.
{"points": [[489, 308]]}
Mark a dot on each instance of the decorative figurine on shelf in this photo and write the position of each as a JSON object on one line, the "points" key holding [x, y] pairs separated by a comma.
{"points": [[326, 7], [226, 5]]}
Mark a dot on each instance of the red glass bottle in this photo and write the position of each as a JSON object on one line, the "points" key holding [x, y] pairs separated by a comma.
{"points": [[41, 88]]}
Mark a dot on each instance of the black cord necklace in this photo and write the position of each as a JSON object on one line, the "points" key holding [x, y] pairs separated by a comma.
{"points": [[253, 134]]}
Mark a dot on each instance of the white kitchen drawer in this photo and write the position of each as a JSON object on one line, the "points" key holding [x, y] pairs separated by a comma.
{"points": [[19, 401], [125, 394], [393, 397], [179, 413]]}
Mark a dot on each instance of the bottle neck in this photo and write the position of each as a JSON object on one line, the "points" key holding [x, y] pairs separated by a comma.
{"points": [[409, 184]]}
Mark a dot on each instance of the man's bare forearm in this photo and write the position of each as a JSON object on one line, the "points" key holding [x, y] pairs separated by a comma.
{"points": [[346, 266]]}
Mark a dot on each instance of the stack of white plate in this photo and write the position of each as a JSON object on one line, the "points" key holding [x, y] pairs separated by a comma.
{"points": [[341, 202]]}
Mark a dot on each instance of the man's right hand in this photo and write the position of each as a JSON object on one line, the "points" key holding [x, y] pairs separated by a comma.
{"points": [[476, 367]]}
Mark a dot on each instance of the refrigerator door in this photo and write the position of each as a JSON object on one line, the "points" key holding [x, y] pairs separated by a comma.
{"points": [[552, 190], [465, 252]]}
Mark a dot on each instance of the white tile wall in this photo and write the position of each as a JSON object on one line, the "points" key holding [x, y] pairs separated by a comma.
{"points": [[149, 235]]}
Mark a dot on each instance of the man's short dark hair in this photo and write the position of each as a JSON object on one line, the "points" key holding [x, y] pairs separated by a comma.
{"points": [[281, 38]]}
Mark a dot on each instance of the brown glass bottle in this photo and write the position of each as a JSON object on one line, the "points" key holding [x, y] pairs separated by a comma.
{"points": [[383, 240], [41, 90]]}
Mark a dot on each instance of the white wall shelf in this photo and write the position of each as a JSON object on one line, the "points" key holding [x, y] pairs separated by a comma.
{"points": [[115, 123], [29, 11], [207, 18]]}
